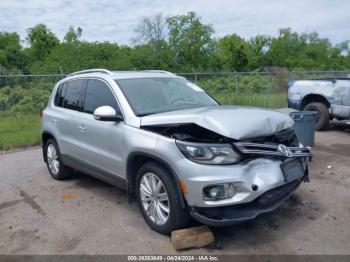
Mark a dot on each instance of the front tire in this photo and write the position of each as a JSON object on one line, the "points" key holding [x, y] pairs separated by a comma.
{"points": [[322, 122], [158, 199], [54, 162]]}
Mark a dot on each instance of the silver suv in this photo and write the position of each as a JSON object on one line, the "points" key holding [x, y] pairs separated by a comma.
{"points": [[175, 150]]}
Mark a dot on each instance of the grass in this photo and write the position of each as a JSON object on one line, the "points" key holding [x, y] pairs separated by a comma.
{"points": [[19, 130], [276, 100], [23, 129]]}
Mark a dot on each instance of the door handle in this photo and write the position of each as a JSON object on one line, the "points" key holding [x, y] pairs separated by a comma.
{"points": [[82, 128]]}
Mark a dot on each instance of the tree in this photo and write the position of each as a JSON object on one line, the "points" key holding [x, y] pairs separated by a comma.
{"points": [[188, 46], [151, 31], [73, 35], [42, 41], [306, 50], [258, 46], [71, 57], [233, 53], [11, 54], [190, 40], [285, 49]]}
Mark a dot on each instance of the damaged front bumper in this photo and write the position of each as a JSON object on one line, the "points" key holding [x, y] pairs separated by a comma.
{"points": [[229, 215], [262, 183]]}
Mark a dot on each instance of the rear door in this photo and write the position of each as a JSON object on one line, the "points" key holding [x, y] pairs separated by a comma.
{"points": [[100, 143], [69, 104]]}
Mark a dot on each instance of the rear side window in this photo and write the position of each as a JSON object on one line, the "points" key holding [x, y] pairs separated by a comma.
{"points": [[73, 94], [98, 94], [61, 91]]}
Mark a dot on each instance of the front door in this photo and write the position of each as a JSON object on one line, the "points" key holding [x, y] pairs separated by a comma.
{"points": [[101, 143]]}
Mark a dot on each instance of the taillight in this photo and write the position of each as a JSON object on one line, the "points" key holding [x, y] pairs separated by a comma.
{"points": [[41, 114]]}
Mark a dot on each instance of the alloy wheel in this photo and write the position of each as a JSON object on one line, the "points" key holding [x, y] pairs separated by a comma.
{"points": [[52, 159], [154, 198]]}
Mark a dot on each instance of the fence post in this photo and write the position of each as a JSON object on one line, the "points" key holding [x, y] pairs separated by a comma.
{"points": [[269, 91], [236, 83], [195, 78]]}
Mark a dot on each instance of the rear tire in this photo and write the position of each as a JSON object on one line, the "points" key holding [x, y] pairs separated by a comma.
{"points": [[176, 217], [322, 122], [54, 162]]}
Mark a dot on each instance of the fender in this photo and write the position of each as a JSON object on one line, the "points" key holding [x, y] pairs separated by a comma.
{"points": [[130, 176]]}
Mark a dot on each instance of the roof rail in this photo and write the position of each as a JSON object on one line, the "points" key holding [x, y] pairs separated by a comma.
{"points": [[159, 71], [104, 71]]}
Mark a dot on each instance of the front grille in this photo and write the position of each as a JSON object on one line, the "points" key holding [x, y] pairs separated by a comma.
{"points": [[272, 150], [282, 144]]}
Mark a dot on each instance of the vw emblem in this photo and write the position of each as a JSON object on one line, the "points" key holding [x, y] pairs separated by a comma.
{"points": [[285, 151]]}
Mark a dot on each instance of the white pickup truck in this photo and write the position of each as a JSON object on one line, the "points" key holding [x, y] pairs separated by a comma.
{"points": [[330, 98]]}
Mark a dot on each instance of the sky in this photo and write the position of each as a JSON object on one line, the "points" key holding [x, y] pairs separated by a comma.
{"points": [[115, 20]]}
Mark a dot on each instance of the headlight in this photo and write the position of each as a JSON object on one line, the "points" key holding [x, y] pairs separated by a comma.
{"points": [[212, 154]]}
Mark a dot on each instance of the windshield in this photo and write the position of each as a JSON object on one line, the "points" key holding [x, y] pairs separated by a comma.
{"points": [[155, 95]]}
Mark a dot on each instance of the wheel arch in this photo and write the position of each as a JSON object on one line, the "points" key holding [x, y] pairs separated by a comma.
{"points": [[314, 98], [135, 160]]}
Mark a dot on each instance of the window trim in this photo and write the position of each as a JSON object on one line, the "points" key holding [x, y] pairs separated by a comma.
{"points": [[58, 92], [87, 78], [61, 85], [81, 95]]}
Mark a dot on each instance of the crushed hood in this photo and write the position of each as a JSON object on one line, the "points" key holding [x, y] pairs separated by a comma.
{"points": [[235, 122]]}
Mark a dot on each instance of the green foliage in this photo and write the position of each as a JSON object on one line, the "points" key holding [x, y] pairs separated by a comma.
{"points": [[180, 43], [307, 50], [72, 36], [233, 53], [249, 83], [191, 41], [19, 99], [257, 46], [144, 57], [82, 55], [11, 54], [42, 41]]}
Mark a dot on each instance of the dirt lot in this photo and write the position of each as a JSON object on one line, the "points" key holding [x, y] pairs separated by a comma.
{"points": [[85, 216]]}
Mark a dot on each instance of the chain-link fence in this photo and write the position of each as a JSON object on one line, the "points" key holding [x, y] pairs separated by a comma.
{"points": [[25, 93], [29, 93], [263, 89]]}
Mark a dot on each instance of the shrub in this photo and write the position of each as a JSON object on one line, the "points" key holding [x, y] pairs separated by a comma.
{"points": [[19, 99]]}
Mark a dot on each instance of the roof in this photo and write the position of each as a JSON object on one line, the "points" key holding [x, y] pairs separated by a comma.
{"points": [[331, 79], [124, 74]]}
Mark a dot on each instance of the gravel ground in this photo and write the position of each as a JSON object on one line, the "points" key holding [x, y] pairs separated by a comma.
{"points": [[39, 215]]}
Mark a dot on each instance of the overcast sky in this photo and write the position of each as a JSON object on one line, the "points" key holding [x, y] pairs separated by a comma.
{"points": [[115, 20]]}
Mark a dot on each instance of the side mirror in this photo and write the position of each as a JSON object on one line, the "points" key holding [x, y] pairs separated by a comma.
{"points": [[107, 113]]}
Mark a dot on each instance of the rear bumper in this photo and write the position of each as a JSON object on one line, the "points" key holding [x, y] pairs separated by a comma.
{"points": [[228, 215]]}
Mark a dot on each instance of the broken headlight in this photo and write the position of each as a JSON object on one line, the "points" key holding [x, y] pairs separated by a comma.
{"points": [[212, 154]]}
